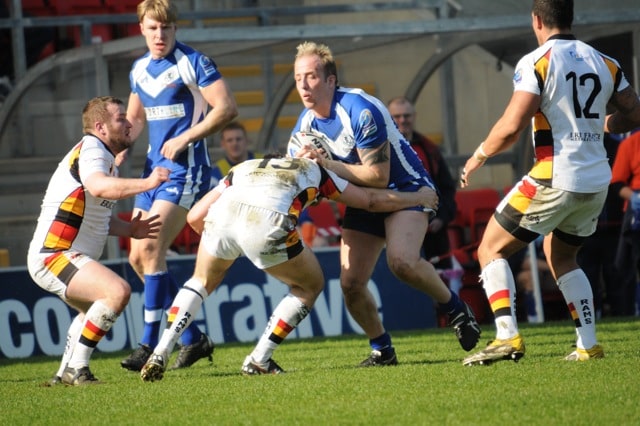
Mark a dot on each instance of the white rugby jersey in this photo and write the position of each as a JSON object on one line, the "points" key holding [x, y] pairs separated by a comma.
{"points": [[285, 185], [70, 217], [575, 82]]}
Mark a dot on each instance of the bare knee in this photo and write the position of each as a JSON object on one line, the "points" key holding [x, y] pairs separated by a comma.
{"points": [[352, 286], [119, 295], [402, 267], [145, 257], [135, 260]]}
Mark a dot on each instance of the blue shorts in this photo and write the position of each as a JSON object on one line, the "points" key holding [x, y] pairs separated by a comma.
{"points": [[175, 191]]}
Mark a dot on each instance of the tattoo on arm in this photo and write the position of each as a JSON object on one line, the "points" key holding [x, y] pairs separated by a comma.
{"points": [[625, 101], [627, 116], [376, 155]]}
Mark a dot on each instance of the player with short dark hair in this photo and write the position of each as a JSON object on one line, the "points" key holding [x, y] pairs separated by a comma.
{"points": [[563, 88]]}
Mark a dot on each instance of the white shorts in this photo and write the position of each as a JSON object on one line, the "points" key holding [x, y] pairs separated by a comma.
{"points": [[267, 238], [530, 206], [53, 271]]}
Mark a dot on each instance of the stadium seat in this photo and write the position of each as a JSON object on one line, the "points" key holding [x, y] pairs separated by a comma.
{"points": [[187, 241], [122, 6], [475, 208], [37, 8], [327, 217], [124, 242]]}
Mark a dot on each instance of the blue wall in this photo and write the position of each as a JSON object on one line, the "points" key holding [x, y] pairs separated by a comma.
{"points": [[34, 322]]}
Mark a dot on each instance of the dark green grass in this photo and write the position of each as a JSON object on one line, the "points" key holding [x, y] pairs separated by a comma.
{"points": [[322, 385]]}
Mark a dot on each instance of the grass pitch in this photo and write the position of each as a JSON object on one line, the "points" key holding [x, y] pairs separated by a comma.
{"points": [[322, 386]]}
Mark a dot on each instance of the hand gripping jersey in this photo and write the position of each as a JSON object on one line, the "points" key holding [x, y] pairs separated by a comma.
{"points": [[358, 120], [169, 89], [575, 82], [284, 185], [70, 217]]}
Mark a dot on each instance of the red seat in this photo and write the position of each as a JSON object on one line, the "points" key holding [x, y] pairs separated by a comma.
{"points": [[100, 33], [122, 6], [326, 216], [123, 242], [475, 208], [37, 8], [187, 241]]}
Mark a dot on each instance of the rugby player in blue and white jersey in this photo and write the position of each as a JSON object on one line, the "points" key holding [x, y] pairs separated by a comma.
{"points": [[367, 149], [181, 95]]}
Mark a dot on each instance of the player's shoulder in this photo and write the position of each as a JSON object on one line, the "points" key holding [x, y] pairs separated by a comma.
{"points": [[354, 100], [185, 49], [141, 63]]}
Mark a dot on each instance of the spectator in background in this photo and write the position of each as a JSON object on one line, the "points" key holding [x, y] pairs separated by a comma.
{"points": [[625, 182], [436, 244], [180, 93], [73, 226], [235, 144]]}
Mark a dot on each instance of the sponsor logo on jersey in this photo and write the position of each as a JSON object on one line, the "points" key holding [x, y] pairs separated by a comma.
{"points": [[169, 77], [517, 77], [164, 112], [576, 56], [108, 204], [367, 123], [207, 65]]}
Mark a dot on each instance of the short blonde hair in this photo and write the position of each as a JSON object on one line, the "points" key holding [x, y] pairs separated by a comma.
{"points": [[160, 10], [96, 111], [322, 51]]}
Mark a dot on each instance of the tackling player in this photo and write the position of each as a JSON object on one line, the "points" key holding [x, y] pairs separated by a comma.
{"points": [[253, 212], [75, 220]]}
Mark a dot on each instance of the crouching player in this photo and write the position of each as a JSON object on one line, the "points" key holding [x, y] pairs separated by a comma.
{"points": [[253, 212]]}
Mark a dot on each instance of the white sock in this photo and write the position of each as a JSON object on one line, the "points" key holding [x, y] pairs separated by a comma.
{"points": [[72, 337], [577, 293], [183, 311], [97, 322], [500, 287], [285, 318]]}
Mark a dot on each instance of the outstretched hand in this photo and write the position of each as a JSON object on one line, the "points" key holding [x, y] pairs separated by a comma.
{"points": [[145, 228]]}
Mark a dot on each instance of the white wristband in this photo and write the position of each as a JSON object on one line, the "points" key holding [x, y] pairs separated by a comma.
{"points": [[480, 155]]}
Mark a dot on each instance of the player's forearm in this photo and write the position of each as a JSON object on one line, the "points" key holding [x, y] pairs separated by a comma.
{"points": [[358, 174], [213, 122], [115, 188], [197, 213], [385, 200]]}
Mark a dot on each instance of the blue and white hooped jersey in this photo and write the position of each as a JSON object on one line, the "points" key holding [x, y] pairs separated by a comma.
{"points": [[169, 89], [359, 120]]}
